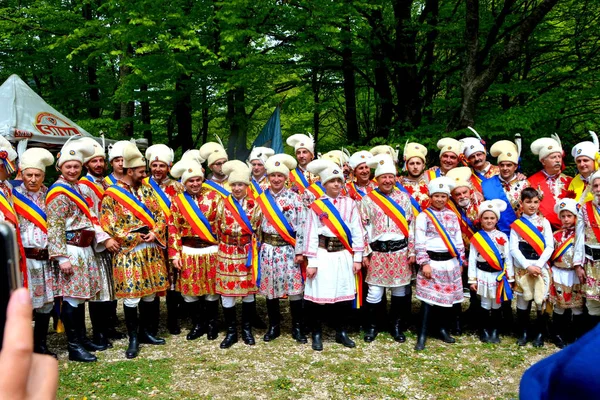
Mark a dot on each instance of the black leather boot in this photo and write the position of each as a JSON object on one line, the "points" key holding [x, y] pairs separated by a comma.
{"points": [[455, 326], [316, 311], [559, 325], [400, 313], [423, 324], [85, 341], [447, 318], [484, 323], [174, 301], [342, 312], [113, 321], [70, 317], [99, 318], [257, 321], [522, 326], [273, 311], [40, 334], [149, 313], [131, 321], [248, 310], [297, 321], [231, 336], [195, 309], [541, 326], [212, 314], [371, 323], [496, 323]]}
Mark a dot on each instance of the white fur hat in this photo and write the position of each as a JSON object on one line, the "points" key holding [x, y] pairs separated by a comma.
{"points": [[566, 204], [282, 163], [132, 157], [587, 148], [472, 145], [461, 176], [6, 150], [237, 172], [74, 150], [212, 151], [595, 175], [186, 169], [301, 141], [160, 152], [441, 185], [37, 158], [261, 154], [496, 206], [193, 154], [449, 145], [337, 156], [116, 150], [98, 149], [543, 147], [327, 170], [505, 150], [358, 158], [385, 149], [383, 164], [413, 149]]}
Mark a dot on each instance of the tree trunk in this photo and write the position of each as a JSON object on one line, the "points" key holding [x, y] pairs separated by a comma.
{"points": [[352, 134], [92, 75], [146, 121], [127, 107], [316, 87], [183, 112]]}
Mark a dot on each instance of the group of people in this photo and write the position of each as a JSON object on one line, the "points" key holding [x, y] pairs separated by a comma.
{"points": [[328, 234]]}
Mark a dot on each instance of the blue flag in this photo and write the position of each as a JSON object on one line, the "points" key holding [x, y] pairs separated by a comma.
{"points": [[270, 136]]}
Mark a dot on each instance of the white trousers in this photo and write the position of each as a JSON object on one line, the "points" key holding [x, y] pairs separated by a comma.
{"points": [[136, 301], [375, 293]]}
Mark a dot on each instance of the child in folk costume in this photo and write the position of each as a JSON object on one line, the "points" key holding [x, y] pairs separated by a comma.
{"points": [[490, 269], [237, 240], [334, 244], [565, 291], [531, 245]]}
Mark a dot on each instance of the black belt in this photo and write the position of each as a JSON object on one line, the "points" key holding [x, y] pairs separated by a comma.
{"points": [[440, 256], [528, 251], [331, 244], [389, 246], [485, 266], [593, 253]]}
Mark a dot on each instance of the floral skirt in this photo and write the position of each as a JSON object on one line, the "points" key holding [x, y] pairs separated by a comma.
{"points": [[198, 271], [445, 286], [140, 272], [565, 290], [40, 282], [591, 288], [84, 282], [234, 278], [389, 269], [279, 274]]}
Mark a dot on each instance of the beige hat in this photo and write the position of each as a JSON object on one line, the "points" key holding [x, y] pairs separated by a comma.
{"points": [[449, 145], [282, 163], [566, 204], [261, 154], [211, 152], [472, 145], [98, 149], [326, 169], [337, 156], [385, 149], [74, 150], [116, 150], [587, 148], [301, 141], [505, 150], [595, 175], [359, 158], [383, 164], [237, 172], [543, 147], [6, 150], [534, 287], [441, 185], [496, 206], [36, 158], [186, 169], [415, 150], [192, 154], [132, 157], [461, 176], [160, 152]]}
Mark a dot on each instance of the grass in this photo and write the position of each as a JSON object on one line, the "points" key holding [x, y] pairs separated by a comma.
{"points": [[284, 369]]}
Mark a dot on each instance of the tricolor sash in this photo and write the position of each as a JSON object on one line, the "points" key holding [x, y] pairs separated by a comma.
{"points": [[466, 225], [130, 202], [239, 214], [530, 233], [26, 208], [110, 180], [355, 191], [431, 174], [489, 251], [58, 189], [594, 218], [161, 197], [316, 189], [443, 234], [358, 284], [192, 214], [391, 208], [476, 180], [274, 215], [563, 248], [11, 216], [212, 185], [255, 188], [332, 219], [416, 207], [90, 182], [298, 178]]}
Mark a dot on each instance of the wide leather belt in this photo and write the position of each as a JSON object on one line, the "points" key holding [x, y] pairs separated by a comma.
{"points": [[593, 253], [528, 251], [273, 240], [236, 240], [34, 253], [439, 256], [80, 238], [388, 246], [485, 266], [331, 244], [195, 242]]}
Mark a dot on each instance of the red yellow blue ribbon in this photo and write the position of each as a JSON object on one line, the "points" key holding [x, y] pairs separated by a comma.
{"points": [[110, 180], [432, 174], [594, 217], [416, 207], [161, 197], [355, 191], [216, 187], [491, 254], [316, 189], [331, 218], [466, 225], [358, 300], [27, 209], [255, 189], [58, 189], [443, 234], [9, 213], [90, 182], [275, 216], [563, 248], [298, 178], [130, 202], [195, 217], [391, 208], [530, 233]]}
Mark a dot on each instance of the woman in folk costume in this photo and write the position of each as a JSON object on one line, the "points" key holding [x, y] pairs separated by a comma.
{"points": [[280, 212], [193, 247], [30, 206], [440, 255], [238, 253], [565, 289], [490, 269], [334, 245], [72, 230]]}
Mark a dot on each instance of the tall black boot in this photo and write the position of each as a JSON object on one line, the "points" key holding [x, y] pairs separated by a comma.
{"points": [[371, 323], [496, 322], [316, 312], [484, 323], [174, 301], [342, 312], [522, 326], [149, 313], [131, 321], [99, 318], [212, 314], [256, 320], [85, 341], [195, 309], [559, 329], [40, 334], [507, 325], [456, 321], [248, 310], [70, 318], [273, 311], [297, 321], [423, 324], [400, 312], [231, 336], [541, 327], [447, 318], [113, 321]]}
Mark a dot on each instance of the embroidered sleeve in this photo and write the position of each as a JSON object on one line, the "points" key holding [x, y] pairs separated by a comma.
{"points": [[118, 224], [421, 239], [57, 211]]}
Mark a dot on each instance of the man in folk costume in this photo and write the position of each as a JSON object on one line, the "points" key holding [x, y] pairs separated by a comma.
{"points": [[237, 258], [72, 230], [30, 206], [334, 246], [193, 247], [160, 158], [587, 157], [216, 156], [362, 183], [550, 180], [103, 305], [115, 158], [451, 153], [131, 215], [476, 157], [414, 181], [256, 161], [389, 221], [304, 150], [440, 255], [587, 251], [280, 212]]}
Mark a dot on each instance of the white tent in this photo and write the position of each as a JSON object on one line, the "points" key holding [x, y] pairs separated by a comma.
{"points": [[24, 115]]}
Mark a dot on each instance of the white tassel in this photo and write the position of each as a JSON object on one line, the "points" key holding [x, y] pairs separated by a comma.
{"points": [[346, 152], [220, 141], [595, 140], [21, 147], [103, 140], [518, 142], [557, 138], [474, 132]]}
